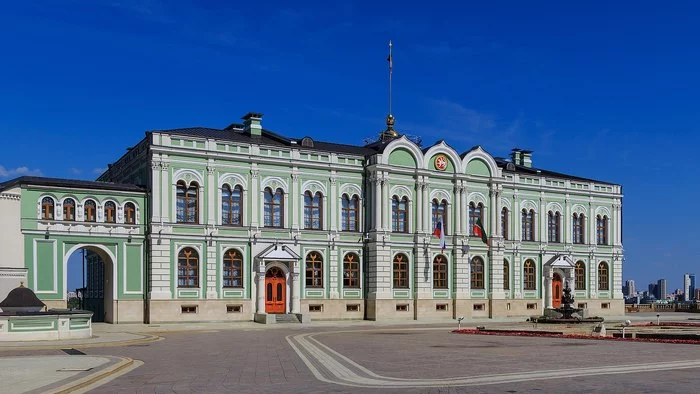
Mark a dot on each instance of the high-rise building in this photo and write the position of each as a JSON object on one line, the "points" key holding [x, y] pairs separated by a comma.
{"points": [[629, 287], [692, 288], [697, 294], [652, 290], [687, 294], [661, 292]]}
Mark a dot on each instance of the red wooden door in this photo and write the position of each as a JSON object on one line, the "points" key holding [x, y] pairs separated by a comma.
{"points": [[556, 291], [275, 291]]}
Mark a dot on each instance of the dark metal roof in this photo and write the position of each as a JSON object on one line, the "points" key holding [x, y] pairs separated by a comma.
{"points": [[21, 297], [540, 172], [58, 182]]}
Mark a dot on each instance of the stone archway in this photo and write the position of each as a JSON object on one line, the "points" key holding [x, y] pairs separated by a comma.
{"points": [[101, 281]]}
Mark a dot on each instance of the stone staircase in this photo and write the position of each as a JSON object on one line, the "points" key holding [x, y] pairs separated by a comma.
{"points": [[287, 318]]}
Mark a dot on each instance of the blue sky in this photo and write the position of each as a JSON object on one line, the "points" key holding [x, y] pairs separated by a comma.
{"points": [[606, 91]]}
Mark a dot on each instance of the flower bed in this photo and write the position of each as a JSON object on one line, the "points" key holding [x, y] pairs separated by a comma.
{"points": [[572, 336], [667, 324]]}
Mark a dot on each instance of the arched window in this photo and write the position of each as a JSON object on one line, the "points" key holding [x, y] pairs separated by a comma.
{"points": [[314, 270], [602, 230], [506, 275], [528, 221], [440, 272], [553, 227], [504, 222], [110, 212], [47, 207], [477, 273], [529, 281], [350, 213], [68, 209], [274, 208], [440, 214], [90, 211], [476, 211], [399, 214], [313, 211], [400, 271], [188, 268], [603, 276], [233, 268], [580, 275], [187, 202], [351, 271], [129, 213], [579, 228], [231, 205]]}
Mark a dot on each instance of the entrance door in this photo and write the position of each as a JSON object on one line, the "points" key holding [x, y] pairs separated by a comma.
{"points": [[556, 291], [275, 291]]}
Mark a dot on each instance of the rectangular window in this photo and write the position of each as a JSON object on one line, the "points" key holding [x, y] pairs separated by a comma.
{"points": [[605, 305], [234, 308], [188, 309], [352, 308], [532, 306], [402, 308], [478, 307], [582, 305], [315, 307], [441, 307]]}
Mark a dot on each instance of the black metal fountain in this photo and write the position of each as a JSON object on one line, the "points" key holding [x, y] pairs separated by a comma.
{"points": [[566, 313]]}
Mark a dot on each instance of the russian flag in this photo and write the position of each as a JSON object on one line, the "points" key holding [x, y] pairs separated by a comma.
{"points": [[440, 233]]}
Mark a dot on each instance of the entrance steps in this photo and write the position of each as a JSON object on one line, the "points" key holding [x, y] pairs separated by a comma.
{"points": [[273, 318]]}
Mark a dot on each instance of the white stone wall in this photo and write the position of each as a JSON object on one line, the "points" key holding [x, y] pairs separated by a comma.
{"points": [[12, 270]]}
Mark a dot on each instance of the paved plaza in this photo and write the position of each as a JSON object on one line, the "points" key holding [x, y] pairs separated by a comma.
{"points": [[348, 357]]}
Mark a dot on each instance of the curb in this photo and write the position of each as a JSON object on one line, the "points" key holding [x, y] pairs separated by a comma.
{"points": [[124, 365], [147, 338]]}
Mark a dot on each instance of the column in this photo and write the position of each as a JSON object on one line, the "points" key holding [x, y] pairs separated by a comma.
{"points": [[155, 191], [548, 275], [386, 218], [296, 289], [419, 205], [463, 206], [571, 278], [201, 202], [261, 288], [516, 219], [212, 188], [458, 208], [332, 210], [567, 221], [590, 225], [543, 228], [493, 215], [166, 191], [295, 198], [377, 206], [427, 207], [255, 197]]}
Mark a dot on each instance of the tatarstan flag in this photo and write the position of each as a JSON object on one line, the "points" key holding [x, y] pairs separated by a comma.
{"points": [[480, 232]]}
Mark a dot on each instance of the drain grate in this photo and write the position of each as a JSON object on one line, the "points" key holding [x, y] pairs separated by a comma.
{"points": [[73, 352]]}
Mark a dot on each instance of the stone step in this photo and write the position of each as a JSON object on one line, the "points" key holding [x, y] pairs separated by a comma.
{"points": [[287, 318]]}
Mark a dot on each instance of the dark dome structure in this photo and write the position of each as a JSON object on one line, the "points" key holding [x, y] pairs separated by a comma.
{"points": [[21, 299]]}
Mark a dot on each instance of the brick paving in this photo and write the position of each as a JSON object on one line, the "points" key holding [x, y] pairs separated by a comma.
{"points": [[261, 360]]}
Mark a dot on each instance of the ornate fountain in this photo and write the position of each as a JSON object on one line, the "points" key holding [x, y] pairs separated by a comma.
{"points": [[566, 313]]}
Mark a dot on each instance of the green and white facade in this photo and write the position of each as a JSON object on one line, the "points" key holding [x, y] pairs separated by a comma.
{"points": [[182, 257]]}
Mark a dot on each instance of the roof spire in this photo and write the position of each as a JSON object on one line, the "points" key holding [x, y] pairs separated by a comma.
{"points": [[389, 133]]}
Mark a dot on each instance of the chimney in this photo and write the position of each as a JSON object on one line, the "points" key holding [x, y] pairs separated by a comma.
{"points": [[526, 157], [252, 123], [515, 157]]}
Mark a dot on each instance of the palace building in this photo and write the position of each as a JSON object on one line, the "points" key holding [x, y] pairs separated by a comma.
{"points": [[240, 223]]}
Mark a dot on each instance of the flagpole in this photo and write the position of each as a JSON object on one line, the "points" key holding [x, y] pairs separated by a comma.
{"points": [[391, 61]]}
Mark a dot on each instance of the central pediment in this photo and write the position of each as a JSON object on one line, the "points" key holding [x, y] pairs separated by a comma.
{"points": [[279, 253], [560, 261]]}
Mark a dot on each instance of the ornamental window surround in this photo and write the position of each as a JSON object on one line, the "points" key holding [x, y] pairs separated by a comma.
{"points": [[47, 208], [602, 230], [351, 271], [314, 270], [274, 208], [313, 211], [399, 214], [69, 209], [350, 207], [187, 202], [506, 275], [476, 212], [528, 224], [477, 273], [439, 213], [579, 228], [529, 277], [504, 223], [129, 213], [440, 272], [110, 212], [232, 205], [580, 275], [554, 227], [400, 271], [188, 268], [603, 276]]}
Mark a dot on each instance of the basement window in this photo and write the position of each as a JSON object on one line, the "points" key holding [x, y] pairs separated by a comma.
{"points": [[605, 305], [441, 307], [402, 308], [582, 305], [352, 308], [316, 308], [188, 308], [478, 307], [532, 306], [234, 308]]}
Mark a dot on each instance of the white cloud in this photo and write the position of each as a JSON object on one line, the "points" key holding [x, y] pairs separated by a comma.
{"points": [[98, 170], [19, 171], [76, 171]]}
